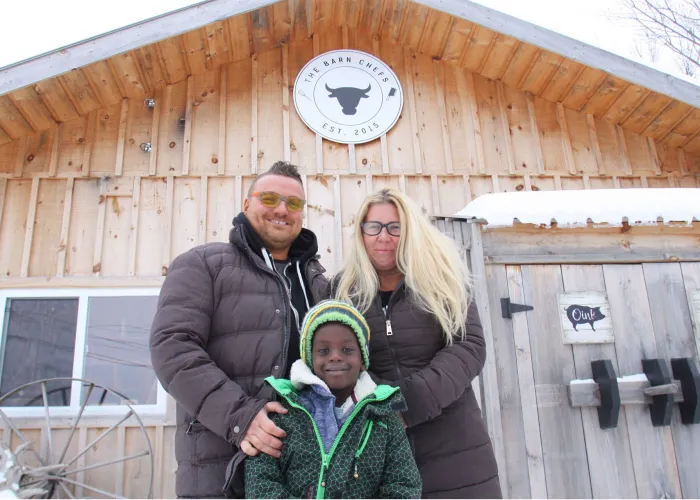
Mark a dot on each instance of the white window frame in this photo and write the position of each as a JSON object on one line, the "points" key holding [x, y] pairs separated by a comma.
{"points": [[158, 410]]}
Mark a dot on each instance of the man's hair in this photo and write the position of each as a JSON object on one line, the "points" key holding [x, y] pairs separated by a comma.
{"points": [[283, 168]]}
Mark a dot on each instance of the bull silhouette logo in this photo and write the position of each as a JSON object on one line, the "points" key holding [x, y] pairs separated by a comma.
{"points": [[580, 315], [348, 97]]}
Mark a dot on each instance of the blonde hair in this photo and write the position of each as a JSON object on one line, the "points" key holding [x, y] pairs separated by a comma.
{"points": [[435, 273]]}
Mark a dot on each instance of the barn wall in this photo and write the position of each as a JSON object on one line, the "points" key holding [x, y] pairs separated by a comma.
{"points": [[83, 204]]}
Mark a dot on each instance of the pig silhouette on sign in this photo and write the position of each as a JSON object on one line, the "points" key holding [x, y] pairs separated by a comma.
{"points": [[580, 315]]}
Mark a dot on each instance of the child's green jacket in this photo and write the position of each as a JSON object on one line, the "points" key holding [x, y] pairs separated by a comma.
{"points": [[370, 458]]}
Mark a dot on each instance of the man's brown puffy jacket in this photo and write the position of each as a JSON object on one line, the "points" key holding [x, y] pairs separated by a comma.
{"points": [[222, 326]]}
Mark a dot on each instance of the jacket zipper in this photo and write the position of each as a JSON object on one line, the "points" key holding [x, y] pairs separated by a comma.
{"points": [[326, 457], [390, 332], [364, 439]]}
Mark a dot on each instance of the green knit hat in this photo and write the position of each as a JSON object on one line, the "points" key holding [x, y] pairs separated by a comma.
{"points": [[333, 311]]}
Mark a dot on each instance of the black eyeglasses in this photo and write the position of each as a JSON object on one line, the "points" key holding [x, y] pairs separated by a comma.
{"points": [[373, 228]]}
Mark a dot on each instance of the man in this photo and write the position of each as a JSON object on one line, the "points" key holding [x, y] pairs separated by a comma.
{"points": [[229, 316]]}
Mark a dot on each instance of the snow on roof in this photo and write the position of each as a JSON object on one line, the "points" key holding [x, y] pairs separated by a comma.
{"points": [[579, 207]]}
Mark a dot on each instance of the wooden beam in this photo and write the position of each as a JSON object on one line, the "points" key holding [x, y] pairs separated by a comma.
{"points": [[415, 140], [155, 131], [134, 228], [655, 163], [29, 228], [254, 117], [624, 154], [189, 115], [467, 97], [591, 259], [566, 140], [535, 131], [439, 79], [167, 236], [121, 139], [66, 89], [20, 154], [505, 127], [286, 141], [634, 390], [203, 202], [595, 145], [100, 228], [489, 375], [65, 227], [89, 142], [54, 145]]}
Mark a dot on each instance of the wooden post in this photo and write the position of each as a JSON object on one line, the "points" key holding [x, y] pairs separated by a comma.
{"points": [[134, 229], [492, 406], [65, 227], [123, 117], [415, 139], [155, 130], [29, 230], [189, 116], [223, 96], [254, 117]]}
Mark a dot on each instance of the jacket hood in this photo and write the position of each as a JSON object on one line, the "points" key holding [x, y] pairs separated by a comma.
{"points": [[303, 248]]}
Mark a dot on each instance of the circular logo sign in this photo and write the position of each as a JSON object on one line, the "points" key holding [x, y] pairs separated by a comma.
{"points": [[348, 96]]}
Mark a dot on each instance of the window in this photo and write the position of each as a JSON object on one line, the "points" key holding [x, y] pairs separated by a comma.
{"points": [[98, 335]]}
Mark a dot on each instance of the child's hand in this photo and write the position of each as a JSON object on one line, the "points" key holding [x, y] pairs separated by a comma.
{"points": [[263, 434]]}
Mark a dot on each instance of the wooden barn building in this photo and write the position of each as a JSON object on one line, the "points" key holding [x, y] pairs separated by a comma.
{"points": [[120, 152]]}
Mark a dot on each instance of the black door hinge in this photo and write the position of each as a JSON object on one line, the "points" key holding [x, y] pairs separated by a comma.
{"points": [[508, 308]]}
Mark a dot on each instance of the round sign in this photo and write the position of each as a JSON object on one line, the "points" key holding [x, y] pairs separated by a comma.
{"points": [[348, 96]]}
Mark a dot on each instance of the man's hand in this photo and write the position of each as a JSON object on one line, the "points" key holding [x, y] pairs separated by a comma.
{"points": [[263, 434]]}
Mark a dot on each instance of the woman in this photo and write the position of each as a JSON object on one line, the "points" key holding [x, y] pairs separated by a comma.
{"points": [[413, 287]]}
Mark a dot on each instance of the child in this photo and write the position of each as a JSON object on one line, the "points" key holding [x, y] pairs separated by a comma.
{"points": [[344, 437]]}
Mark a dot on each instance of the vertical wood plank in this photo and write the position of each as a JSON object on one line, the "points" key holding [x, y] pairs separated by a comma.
{"points": [[691, 278], [337, 223], [100, 228], [643, 181], [410, 93], [468, 189], [369, 184], [119, 467], [495, 183], [382, 139], [167, 226], [55, 143], [656, 475], [402, 183], [286, 145], [467, 97], [489, 375], [352, 159], [238, 196], [89, 143], [527, 181], [29, 228], [566, 140], [3, 192], [624, 154], [158, 473], [304, 183], [203, 200], [586, 182], [673, 331], [82, 444], [655, 163], [557, 182], [65, 227], [134, 228], [187, 140], [440, 87], [535, 130], [223, 96], [595, 145], [319, 140], [20, 154], [682, 162], [563, 442], [609, 454], [254, 117], [505, 127], [435, 192], [526, 385], [123, 117], [616, 182], [155, 129]]}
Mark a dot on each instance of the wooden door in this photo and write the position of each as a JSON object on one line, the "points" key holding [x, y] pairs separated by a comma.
{"points": [[553, 450]]}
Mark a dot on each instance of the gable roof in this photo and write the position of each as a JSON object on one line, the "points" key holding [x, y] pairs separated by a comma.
{"points": [[491, 43]]}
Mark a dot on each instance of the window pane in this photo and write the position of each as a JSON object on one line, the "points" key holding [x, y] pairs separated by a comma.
{"points": [[117, 355], [39, 343]]}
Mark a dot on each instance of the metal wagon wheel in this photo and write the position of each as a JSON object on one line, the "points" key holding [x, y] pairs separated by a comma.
{"points": [[56, 473]]}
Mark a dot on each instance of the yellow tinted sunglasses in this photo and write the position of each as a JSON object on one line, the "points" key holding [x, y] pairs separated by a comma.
{"points": [[271, 199]]}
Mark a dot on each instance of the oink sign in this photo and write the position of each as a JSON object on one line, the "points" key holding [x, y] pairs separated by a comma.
{"points": [[585, 318], [348, 96]]}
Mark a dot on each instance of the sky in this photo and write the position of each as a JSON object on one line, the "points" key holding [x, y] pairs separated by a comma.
{"points": [[47, 24]]}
